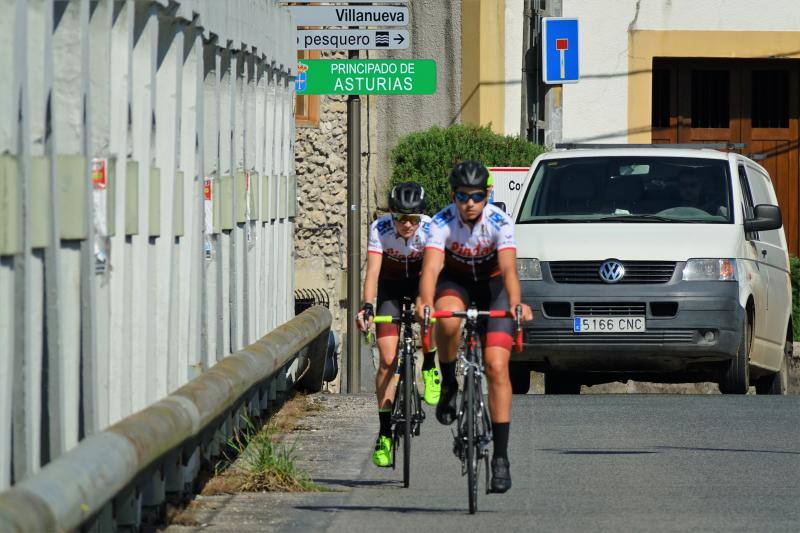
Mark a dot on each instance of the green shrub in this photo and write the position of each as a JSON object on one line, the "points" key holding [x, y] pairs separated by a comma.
{"points": [[427, 156], [794, 262]]}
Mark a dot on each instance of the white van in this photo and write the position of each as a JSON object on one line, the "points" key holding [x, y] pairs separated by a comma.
{"points": [[655, 264]]}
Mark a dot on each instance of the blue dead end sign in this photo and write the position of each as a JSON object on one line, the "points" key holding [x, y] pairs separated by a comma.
{"points": [[560, 50]]}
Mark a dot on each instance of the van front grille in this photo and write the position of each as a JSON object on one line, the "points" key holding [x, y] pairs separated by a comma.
{"points": [[565, 337], [609, 309], [589, 271]]}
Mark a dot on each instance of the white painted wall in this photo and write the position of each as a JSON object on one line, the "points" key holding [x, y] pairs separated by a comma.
{"points": [[595, 109], [513, 66], [122, 337]]}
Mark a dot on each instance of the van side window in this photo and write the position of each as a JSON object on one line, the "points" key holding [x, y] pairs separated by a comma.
{"points": [[748, 202], [761, 187]]}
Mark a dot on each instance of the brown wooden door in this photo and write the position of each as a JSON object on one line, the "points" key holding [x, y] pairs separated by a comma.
{"points": [[770, 129], [754, 102], [709, 102], [665, 102]]}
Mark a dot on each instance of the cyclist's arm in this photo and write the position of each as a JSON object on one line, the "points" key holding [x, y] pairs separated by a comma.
{"points": [[374, 260], [370, 292], [507, 261], [432, 264]]}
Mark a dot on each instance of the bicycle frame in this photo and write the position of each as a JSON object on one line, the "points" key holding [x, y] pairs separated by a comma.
{"points": [[473, 431], [470, 362], [407, 414]]}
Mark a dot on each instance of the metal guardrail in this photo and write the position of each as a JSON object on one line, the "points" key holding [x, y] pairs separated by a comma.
{"points": [[107, 480]]}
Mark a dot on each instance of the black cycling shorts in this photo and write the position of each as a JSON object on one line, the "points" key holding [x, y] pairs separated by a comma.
{"points": [[390, 297], [486, 295]]}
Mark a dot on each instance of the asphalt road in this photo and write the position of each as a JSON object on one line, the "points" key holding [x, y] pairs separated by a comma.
{"points": [[580, 463]]}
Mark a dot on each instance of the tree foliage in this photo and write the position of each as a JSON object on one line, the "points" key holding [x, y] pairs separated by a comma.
{"points": [[427, 156]]}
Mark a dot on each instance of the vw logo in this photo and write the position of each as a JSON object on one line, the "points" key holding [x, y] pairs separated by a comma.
{"points": [[612, 271]]}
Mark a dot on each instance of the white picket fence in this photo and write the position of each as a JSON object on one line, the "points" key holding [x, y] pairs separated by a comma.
{"points": [[121, 275]]}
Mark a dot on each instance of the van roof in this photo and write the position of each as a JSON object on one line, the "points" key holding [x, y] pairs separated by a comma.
{"points": [[618, 151]]}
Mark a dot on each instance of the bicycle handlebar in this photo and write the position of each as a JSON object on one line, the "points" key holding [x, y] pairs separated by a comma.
{"points": [[466, 314], [387, 319], [429, 317]]}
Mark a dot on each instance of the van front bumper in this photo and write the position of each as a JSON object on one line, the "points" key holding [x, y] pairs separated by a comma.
{"points": [[704, 331]]}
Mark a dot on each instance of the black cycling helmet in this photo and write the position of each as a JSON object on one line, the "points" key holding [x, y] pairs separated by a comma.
{"points": [[469, 174], [407, 198]]}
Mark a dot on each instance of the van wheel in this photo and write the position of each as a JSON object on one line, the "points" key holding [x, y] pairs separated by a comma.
{"points": [[556, 383], [777, 383], [520, 374], [736, 377]]}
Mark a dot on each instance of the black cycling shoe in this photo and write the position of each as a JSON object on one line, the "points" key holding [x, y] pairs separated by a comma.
{"points": [[446, 408], [501, 475]]}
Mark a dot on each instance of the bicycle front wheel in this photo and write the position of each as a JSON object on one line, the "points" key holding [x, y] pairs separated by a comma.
{"points": [[472, 443], [408, 388]]}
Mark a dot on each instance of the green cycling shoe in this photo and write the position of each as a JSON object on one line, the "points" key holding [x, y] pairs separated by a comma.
{"points": [[433, 386], [382, 456]]}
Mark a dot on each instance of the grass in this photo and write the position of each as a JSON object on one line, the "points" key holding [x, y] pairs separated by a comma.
{"points": [[263, 463], [257, 459]]}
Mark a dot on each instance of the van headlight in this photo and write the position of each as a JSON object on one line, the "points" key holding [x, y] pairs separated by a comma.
{"points": [[710, 270], [529, 269]]}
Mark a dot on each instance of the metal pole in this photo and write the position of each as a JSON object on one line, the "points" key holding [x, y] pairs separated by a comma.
{"points": [[353, 238]]}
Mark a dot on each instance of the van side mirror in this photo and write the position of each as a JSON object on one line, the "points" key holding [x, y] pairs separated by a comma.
{"points": [[767, 217], [501, 205]]}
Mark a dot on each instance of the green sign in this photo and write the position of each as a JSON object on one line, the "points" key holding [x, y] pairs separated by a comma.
{"points": [[366, 76]]}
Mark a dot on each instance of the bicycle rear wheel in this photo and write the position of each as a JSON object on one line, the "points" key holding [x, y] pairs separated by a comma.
{"points": [[472, 443], [408, 376]]}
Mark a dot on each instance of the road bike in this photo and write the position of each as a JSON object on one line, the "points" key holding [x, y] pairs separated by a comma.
{"points": [[473, 431], [407, 413]]}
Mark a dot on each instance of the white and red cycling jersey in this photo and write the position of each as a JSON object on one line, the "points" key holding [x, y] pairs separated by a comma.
{"points": [[402, 259], [470, 253]]}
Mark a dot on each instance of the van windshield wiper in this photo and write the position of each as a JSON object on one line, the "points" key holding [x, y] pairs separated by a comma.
{"points": [[556, 220], [645, 218]]}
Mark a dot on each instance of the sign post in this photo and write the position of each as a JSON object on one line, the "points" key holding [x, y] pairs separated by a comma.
{"points": [[353, 238], [355, 77]]}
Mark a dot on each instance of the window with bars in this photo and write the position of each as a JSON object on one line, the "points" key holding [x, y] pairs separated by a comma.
{"points": [[711, 98], [770, 98], [661, 97], [306, 110]]}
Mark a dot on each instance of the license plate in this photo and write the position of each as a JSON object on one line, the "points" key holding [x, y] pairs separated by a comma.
{"points": [[609, 324]]}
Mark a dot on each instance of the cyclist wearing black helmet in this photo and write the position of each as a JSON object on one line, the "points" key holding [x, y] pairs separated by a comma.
{"points": [[394, 261], [471, 257]]}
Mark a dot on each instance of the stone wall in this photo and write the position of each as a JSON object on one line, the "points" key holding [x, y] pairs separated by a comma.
{"points": [[321, 224]]}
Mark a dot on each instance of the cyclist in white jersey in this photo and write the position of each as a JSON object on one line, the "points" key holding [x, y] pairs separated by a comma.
{"points": [[471, 258], [396, 244]]}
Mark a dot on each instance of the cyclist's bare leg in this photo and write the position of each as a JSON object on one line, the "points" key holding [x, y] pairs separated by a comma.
{"points": [[495, 360], [447, 338], [447, 329], [384, 384]]}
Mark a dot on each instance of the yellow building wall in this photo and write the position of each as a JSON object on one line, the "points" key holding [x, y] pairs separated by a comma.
{"points": [[483, 63], [643, 46]]}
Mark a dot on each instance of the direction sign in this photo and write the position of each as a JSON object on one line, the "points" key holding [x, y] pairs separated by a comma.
{"points": [[350, 15], [560, 50], [352, 39], [346, 2], [365, 76]]}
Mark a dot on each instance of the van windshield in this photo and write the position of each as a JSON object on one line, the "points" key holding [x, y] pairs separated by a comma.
{"points": [[628, 189]]}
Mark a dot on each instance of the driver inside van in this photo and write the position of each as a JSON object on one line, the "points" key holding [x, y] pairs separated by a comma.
{"points": [[694, 192]]}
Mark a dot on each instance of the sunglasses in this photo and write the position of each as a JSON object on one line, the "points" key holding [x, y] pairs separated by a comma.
{"points": [[463, 197], [413, 219]]}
